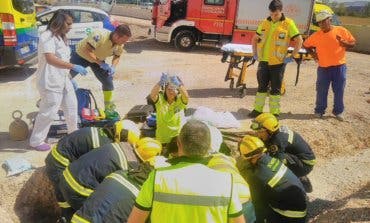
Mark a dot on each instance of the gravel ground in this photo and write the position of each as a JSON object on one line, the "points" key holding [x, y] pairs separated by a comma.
{"points": [[341, 178]]}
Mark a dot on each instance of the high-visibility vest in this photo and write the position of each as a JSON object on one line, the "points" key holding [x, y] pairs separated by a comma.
{"points": [[193, 193], [227, 164], [279, 41]]}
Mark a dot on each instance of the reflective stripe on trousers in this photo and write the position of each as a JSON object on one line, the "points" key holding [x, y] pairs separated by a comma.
{"points": [[259, 102], [274, 104], [64, 204], [75, 185]]}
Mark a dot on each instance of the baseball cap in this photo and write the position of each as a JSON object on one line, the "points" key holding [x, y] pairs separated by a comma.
{"points": [[322, 15]]}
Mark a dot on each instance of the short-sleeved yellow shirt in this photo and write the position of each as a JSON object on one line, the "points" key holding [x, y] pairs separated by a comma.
{"points": [[169, 118], [102, 44]]}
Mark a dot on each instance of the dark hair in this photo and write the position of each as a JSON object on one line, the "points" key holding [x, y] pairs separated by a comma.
{"points": [[123, 30], [57, 23], [195, 138], [275, 5]]}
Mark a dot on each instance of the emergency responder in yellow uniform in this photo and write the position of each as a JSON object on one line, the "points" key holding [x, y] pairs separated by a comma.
{"points": [[277, 194], [170, 106], [74, 145], [82, 176], [270, 45], [221, 162], [286, 145], [93, 51], [188, 191]]}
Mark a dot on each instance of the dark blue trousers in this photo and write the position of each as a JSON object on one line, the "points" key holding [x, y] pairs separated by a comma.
{"points": [[336, 76]]}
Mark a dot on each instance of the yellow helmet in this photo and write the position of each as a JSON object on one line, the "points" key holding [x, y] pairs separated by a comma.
{"points": [[126, 129], [147, 148], [267, 121], [251, 145]]}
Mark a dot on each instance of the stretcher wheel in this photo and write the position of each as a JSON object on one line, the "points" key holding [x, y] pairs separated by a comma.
{"points": [[243, 92], [231, 85]]}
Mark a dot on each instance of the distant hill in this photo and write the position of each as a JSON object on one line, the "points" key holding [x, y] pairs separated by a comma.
{"points": [[356, 4]]}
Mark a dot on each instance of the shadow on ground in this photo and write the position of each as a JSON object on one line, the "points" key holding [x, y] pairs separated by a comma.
{"points": [[139, 46], [337, 211], [219, 92], [16, 74]]}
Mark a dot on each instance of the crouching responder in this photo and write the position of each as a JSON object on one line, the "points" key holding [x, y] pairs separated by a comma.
{"points": [[82, 176], [223, 163], [286, 145], [79, 142], [111, 202], [93, 51], [277, 194]]}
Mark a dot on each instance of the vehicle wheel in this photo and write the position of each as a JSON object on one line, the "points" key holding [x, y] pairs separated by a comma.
{"points": [[184, 40]]}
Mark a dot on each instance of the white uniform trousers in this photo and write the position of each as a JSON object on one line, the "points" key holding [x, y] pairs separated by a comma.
{"points": [[49, 105]]}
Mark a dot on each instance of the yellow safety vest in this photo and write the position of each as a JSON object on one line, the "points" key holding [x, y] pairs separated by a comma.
{"points": [[199, 191], [279, 41], [227, 164]]}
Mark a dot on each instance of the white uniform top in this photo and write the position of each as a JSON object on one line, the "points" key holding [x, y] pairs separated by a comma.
{"points": [[50, 77]]}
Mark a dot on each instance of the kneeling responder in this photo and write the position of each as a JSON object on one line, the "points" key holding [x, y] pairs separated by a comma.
{"points": [[82, 176], [111, 202], [221, 162], [286, 145], [76, 144], [277, 194]]}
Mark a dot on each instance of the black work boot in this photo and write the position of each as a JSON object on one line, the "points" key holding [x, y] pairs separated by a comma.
{"points": [[306, 184], [254, 114]]}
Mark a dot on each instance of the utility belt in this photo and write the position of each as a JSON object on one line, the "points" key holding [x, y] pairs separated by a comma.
{"points": [[59, 157]]}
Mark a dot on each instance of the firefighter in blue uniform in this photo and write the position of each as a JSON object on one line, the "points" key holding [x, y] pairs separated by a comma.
{"points": [[278, 195], [286, 145], [111, 202], [82, 176], [76, 144]]}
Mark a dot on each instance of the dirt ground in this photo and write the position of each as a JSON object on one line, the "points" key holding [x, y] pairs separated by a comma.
{"points": [[341, 178]]}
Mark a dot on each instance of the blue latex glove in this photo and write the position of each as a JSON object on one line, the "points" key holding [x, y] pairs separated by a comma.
{"points": [[105, 67], [163, 80], [288, 60], [79, 69], [111, 71], [175, 80]]}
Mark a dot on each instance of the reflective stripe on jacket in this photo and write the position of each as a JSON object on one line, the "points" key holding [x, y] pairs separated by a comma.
{"points": [[279, 41], [199, 191]]}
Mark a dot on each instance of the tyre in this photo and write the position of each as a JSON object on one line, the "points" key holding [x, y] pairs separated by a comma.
{"points": [[185, 40]]}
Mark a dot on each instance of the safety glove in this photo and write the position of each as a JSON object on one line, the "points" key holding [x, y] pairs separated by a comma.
{"points": [[163, 80], [111, 71], [79, 69], [175, 80], [288, 59], [105, 66]]}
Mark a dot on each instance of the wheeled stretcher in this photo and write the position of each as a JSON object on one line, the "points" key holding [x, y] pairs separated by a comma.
{"points": [[239, 54], [241, 57]]}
